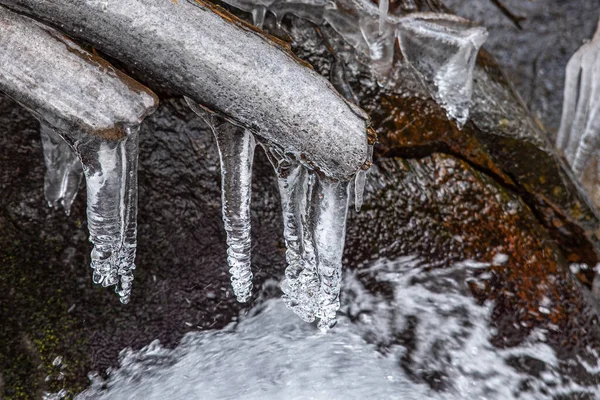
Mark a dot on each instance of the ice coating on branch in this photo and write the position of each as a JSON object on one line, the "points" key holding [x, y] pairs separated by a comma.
{"points": [[63, 170], [579, 133], [274, 95], [97, 110], [110, 169], [236, 153], [443, 50]]}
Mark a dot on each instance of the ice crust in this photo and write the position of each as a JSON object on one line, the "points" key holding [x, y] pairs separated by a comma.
{"points": [[89, 112], [579, 134]]}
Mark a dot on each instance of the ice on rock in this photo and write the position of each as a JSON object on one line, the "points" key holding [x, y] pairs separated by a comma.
{"points": [[443, 49], [96, 110], [579, 133], [63, 170], [236, 153]]}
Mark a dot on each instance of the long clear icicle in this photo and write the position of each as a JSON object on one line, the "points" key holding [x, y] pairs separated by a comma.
{"points": [[63, 170], [236, 153], [384, 6], [330, 208], [236, 147], [110, 168]]}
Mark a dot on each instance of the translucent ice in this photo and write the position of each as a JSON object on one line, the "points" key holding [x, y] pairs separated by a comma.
{"points": [[63, 170], [236, 153], [330, 206], [384, 6], [360, 181], [579, 132], [443, 50], [249, 78], [110, 169], [96, 110]]}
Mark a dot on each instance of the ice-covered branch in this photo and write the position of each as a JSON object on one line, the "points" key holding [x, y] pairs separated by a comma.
{"points": [[442, 48], [96, 110], [225, 65]]}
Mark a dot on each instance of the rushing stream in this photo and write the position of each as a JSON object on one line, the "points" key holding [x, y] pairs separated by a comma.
{"points": [[270, 354]]}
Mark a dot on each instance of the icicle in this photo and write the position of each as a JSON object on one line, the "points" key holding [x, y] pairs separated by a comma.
{"points": [[443, 50], [360, 180], [236, 154], [110, 168], [579, 132], [384, 6], [258, 16], [63, 170], [330, 207], [301, 283]]}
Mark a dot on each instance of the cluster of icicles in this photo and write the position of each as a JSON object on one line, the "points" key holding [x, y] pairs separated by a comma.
{"points": [[103, 145], [314, 215], [441, 48]]}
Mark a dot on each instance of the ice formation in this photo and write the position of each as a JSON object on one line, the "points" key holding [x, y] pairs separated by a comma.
{"points": [[63, 170], [442, 48], [381, 349], [249, 78], [96, 110], [579, 133], [314, 217], [236, 153]]}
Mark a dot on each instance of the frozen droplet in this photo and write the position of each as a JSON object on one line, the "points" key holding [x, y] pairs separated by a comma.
{"points": [[258, 16], [63, 170]]}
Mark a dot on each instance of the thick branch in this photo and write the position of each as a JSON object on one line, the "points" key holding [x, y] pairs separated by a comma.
{"points": [[225, 65]]}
